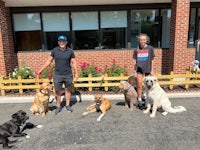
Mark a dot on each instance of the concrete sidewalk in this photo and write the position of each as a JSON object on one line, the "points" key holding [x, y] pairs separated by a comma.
{"points": [[28, 99]]}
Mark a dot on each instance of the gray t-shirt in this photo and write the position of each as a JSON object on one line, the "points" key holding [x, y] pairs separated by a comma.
{"points": [[62, 60], [144, 57]]}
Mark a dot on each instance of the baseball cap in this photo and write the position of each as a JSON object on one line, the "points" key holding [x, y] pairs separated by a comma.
{"points": [[62, 38]]}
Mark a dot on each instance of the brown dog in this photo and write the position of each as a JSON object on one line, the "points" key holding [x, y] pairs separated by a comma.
{"points": [[41, 100], [130, 94], [101, 104]]}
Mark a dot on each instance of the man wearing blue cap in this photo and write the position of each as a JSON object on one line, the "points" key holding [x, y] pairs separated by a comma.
{"points": [[64, 58]]}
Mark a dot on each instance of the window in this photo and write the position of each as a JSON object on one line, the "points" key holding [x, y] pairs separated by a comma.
{"points": [[85, 27], [191, 38], [55, 24], [27, 29], [113, 29], [166, 16], [144, 21]]}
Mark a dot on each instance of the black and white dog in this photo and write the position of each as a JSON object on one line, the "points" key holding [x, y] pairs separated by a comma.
{"points": [[15, 128], [195, 66]]}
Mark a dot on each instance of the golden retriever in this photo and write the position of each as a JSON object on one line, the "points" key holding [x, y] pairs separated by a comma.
{"points": [[101, 104], [158, 98], [41, 100]]}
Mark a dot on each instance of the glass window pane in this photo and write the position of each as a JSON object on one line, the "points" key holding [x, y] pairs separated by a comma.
{"points": [[144, 21], [113, 19], [51, 39], [113, 38], [27, 22], [166, 16], [55, 21], [191, 38], [86, 39], [28, 40], [84, 21]]}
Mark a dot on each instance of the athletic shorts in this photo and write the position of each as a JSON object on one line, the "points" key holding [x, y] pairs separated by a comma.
{"points": [[59, 80], [140, 71]]}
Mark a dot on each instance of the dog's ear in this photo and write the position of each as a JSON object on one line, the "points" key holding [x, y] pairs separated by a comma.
{"points": [[155, 79], [14, 116], [144, 79]]}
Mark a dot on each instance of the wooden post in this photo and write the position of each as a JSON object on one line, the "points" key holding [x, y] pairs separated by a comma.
{"points": [[37, 83], [90, 83], [1, 85], [20, 85], [171, 86], [187, 78], [106, 83]]}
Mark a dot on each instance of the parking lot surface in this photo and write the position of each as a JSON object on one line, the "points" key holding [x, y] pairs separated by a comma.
{"points": [[120, 129]]}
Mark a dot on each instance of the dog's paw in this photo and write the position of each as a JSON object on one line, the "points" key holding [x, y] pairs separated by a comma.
{"points": [[39, 126], [164, 113], [131, 109], [145, 111], [99, 119], [85, 113], [152, 115], [28, 136]]}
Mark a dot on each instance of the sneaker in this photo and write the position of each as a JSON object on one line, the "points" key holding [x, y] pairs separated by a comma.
{"points": [[58, 109], [68, 108]]}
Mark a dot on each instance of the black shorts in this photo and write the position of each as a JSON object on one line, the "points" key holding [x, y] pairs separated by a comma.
{"points": [[140, 71], [59, 80]]}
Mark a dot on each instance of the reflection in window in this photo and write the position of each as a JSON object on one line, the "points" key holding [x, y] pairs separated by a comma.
{"points": [[27, 31], [85, 27], [54, 25], [113, 28], [144, 21], [166, 16]]}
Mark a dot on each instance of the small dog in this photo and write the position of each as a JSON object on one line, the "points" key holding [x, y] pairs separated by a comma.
{"points": [[158, 98], [130, 94], [15, 128], [196, 66], [41, 100], [101, 104]]}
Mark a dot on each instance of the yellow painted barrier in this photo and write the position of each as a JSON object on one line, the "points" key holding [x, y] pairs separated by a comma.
{"points": [[104, 81]]}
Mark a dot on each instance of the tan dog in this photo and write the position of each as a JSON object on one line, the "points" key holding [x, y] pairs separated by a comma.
{"points": [[101, 104], [158, 98], [130, 94], [41, 100]]}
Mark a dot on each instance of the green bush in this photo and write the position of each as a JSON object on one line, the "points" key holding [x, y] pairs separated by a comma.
{"points": [[87, 69], [25, 72]]}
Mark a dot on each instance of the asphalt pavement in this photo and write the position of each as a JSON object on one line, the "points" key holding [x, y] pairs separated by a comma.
{"points": [[120, 129]]}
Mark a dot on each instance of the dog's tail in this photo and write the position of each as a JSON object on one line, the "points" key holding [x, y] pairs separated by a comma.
{"points": [[176, 109]]}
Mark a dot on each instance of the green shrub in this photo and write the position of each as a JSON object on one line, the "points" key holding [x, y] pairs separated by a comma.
{"points": [[87, 69], [24, 71]]}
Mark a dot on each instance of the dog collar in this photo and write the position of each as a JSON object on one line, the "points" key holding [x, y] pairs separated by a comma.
{"points": [[98, 103], [129, 88]]}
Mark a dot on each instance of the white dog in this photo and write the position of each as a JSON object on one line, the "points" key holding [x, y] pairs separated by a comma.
{"points": [[196, 66], [158, 98]]}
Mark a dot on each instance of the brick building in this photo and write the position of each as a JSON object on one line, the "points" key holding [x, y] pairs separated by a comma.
{"points": [[99, 31]]}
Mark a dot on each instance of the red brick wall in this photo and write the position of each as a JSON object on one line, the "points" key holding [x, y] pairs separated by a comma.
{"points": [[177, 58], [8, 58], [102, 58], [179, 55]]}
